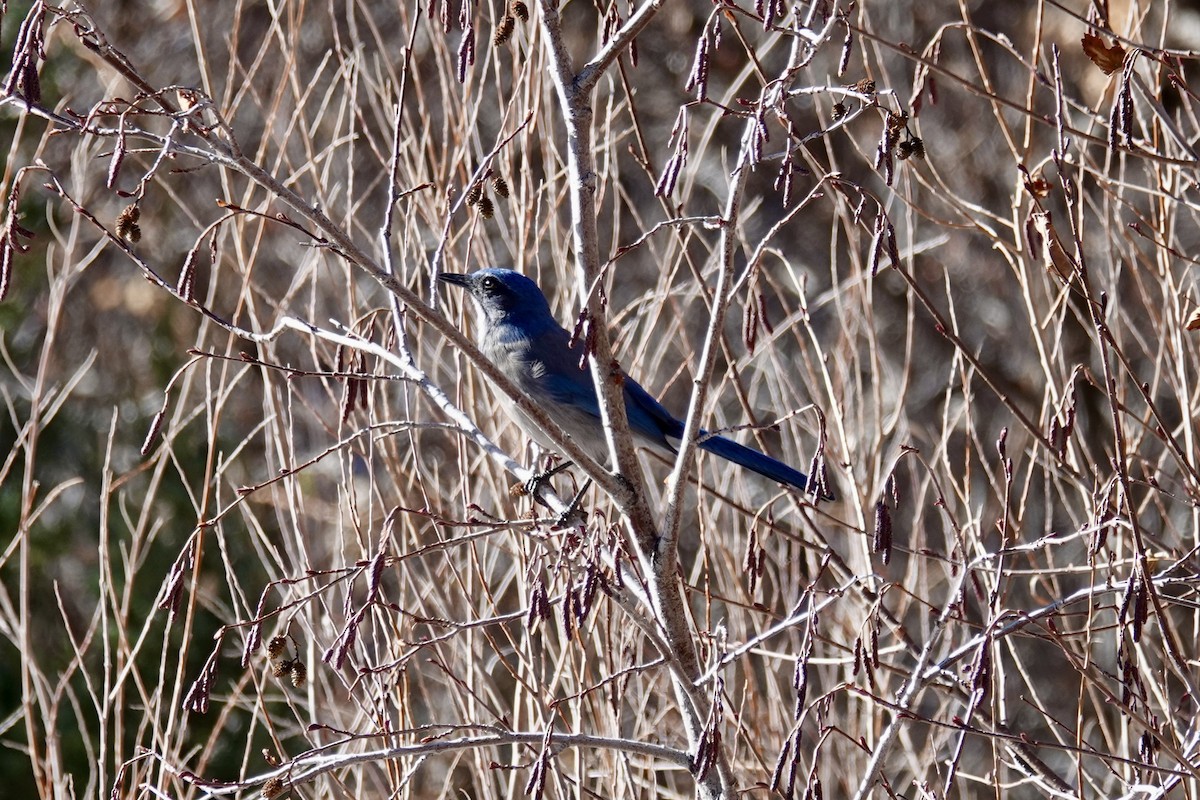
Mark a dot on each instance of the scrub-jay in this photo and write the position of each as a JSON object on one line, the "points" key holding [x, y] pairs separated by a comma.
{"points": [[516, 331]]}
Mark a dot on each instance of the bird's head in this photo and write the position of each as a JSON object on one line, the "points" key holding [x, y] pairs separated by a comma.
{"points": [[503, 296]]}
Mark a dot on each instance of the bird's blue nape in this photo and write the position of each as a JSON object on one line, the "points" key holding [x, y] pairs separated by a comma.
{"points": [[519, 334]]}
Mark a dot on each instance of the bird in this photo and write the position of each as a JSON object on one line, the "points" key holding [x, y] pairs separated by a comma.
{"points": [[516, 330]]}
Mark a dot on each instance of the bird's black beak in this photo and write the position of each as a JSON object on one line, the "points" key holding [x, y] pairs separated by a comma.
{"points": [[455, 278]]}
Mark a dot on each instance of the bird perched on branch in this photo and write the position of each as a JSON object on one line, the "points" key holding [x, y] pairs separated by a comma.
{"points": [[516, 331]]}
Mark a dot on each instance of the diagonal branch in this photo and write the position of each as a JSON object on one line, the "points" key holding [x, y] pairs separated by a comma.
{"points": [[591, 72]]}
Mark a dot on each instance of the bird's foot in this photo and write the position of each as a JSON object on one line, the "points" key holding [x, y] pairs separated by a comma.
{"points": [[534, 485], [573, 516]]}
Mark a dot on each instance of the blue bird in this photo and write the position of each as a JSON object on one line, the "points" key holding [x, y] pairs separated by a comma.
{"points": [[516, 331]]}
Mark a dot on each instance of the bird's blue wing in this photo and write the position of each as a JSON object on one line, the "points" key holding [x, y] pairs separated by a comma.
{"points": [[555, 369], [648, 417], [569, 390], [564, 382]]}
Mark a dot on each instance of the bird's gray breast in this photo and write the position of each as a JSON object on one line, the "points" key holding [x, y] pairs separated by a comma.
{"points": [[513, 355], [516, 356]]}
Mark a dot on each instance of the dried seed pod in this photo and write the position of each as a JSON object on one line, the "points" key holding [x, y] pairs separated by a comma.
{"points": [[155, 427], [273, 788], [276, 647], [299, 673], [912, 146], [499, 186], [127, 223], [865, 86], [474, 194], [882, 540], [839, 111], [280, 668], [520, 10], [504, 30], [486, 209]]}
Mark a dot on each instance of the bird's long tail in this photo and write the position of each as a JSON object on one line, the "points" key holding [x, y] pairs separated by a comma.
{"points": [[762, 464]]}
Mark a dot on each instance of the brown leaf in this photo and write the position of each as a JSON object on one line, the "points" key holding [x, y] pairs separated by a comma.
{"points": [[1193, 321], [1054, 255], [1108, 59]]}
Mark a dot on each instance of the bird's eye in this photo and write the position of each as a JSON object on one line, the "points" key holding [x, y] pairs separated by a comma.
{"points": [[489, 283]]}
